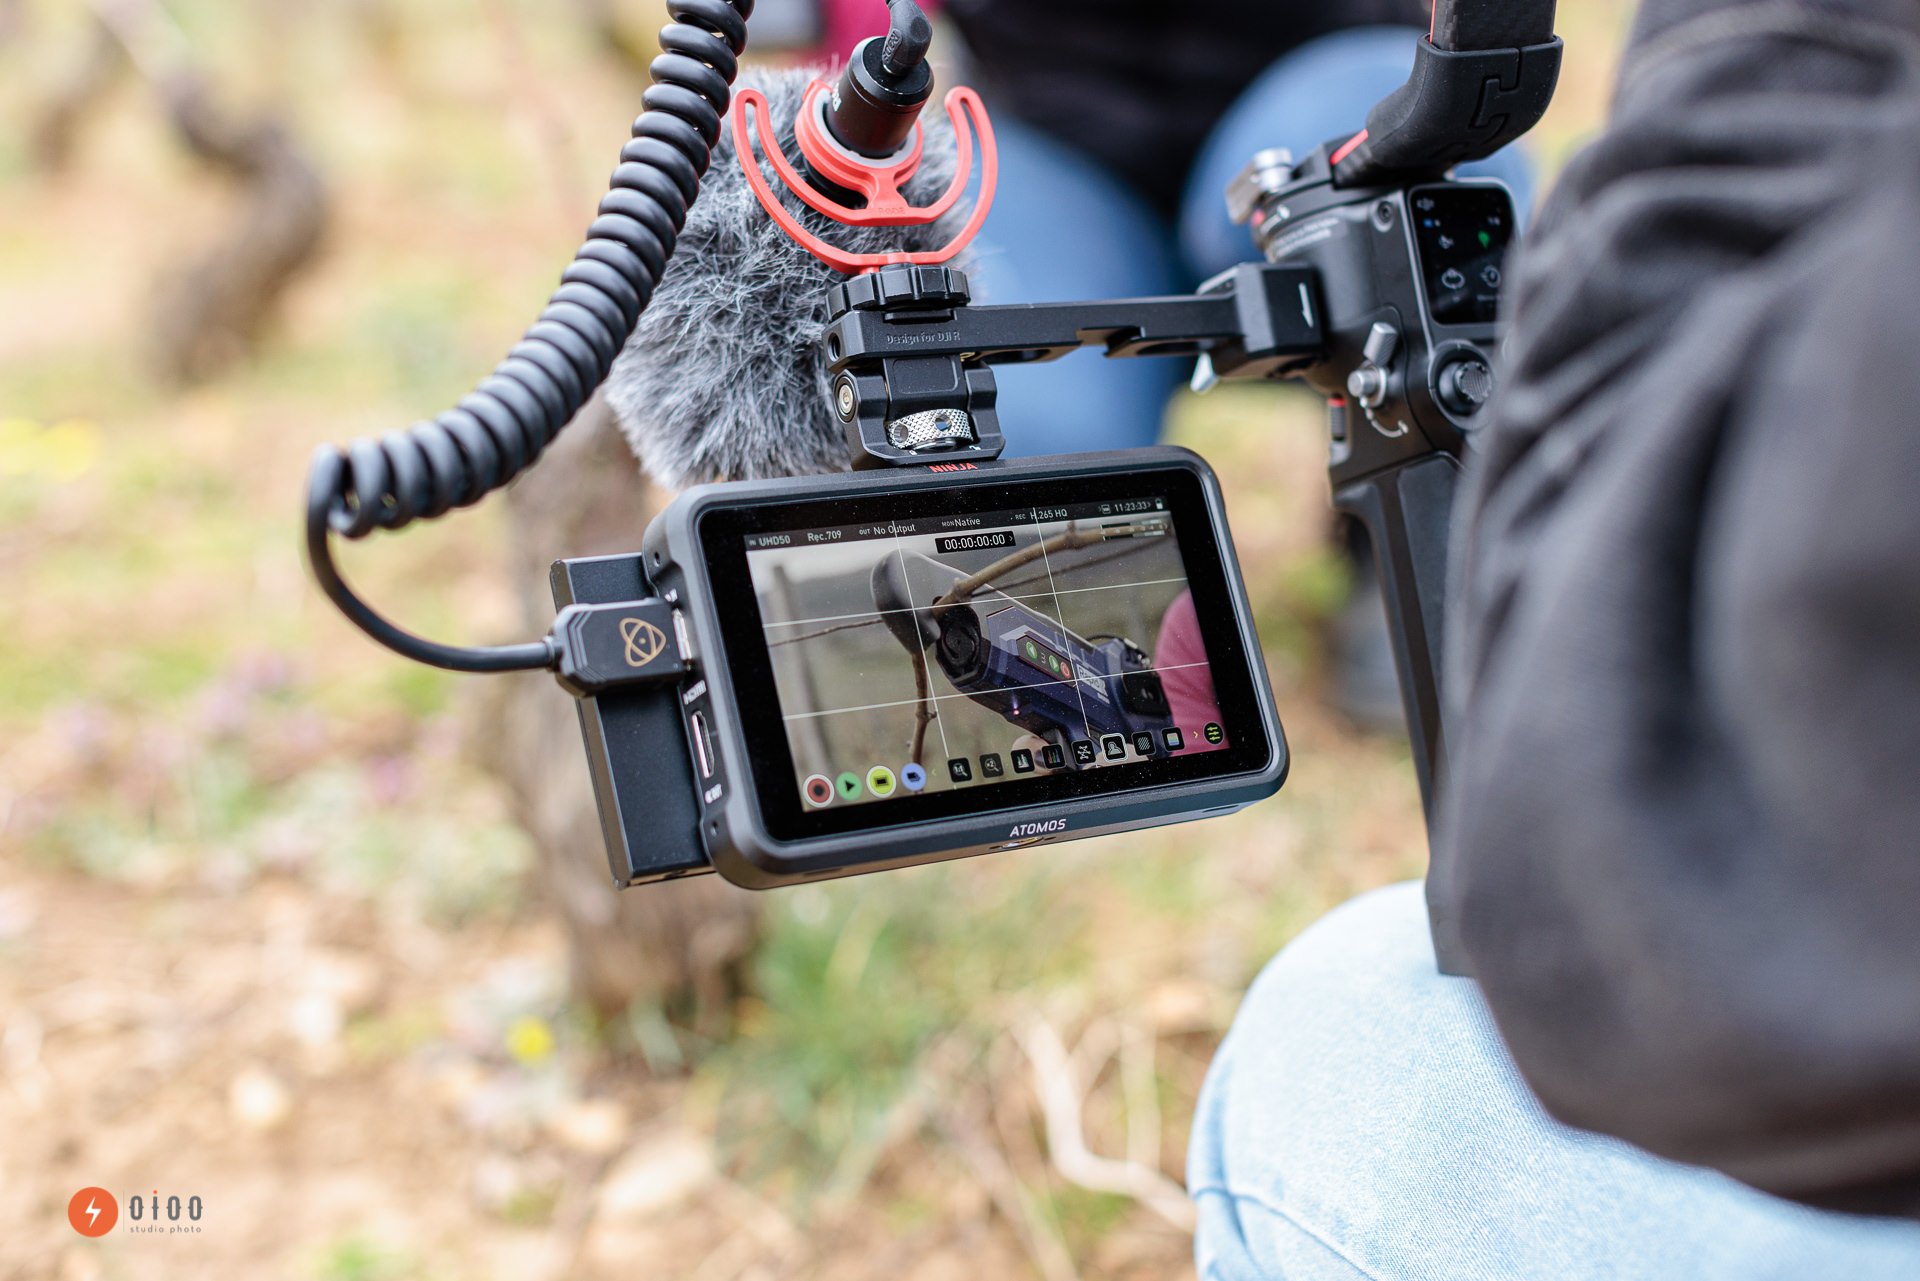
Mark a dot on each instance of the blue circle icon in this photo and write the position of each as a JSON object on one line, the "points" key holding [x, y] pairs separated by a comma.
{"points": [[913, 778]]}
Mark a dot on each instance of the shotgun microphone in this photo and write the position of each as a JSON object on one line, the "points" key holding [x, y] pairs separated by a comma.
{"points": [[723, 378]]}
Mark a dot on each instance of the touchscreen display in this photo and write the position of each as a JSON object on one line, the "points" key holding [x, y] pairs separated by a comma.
{"points": [[1463, 233], [930, 654]]}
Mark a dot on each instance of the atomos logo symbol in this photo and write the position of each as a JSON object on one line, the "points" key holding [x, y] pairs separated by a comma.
{"points": [[93, 1212], [644, 641]]}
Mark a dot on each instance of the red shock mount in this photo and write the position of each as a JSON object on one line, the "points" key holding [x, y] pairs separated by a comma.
{"points": [[878, 181]]}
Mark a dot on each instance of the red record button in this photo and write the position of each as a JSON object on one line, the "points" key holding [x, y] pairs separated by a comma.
{"points": [[820, 790]]}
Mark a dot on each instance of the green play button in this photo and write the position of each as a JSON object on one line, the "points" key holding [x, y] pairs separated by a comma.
{"points": [[849, 786]]}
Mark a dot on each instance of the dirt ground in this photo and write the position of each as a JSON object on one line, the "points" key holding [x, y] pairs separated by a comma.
{"points": [[355, 1092], [269, 943]]}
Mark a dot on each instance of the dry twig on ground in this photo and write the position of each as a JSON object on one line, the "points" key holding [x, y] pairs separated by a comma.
{"points": [[1057, 1080], [961, 1124]]}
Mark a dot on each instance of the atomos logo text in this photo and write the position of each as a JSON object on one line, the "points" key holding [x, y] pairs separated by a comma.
{"points": [[1039, 829], [93, 1212]]}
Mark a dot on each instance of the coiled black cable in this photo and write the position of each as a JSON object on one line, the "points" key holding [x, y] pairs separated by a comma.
{"points": [[496, 432]]}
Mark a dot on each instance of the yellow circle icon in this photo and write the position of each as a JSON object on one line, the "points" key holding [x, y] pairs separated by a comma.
{"points": [[880, 781]]}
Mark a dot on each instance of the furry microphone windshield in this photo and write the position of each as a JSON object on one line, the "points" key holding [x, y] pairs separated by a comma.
{"points": [[723, 378]]}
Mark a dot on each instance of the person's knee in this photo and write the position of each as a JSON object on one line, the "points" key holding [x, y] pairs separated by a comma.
{"points": [[1319, 91], [1355, 1075], [1324, 1000], [1363, 1119], [1371, 951], [1064, 228]]}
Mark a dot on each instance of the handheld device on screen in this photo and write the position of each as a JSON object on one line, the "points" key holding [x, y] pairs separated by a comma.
{"points": [[998, 645]]}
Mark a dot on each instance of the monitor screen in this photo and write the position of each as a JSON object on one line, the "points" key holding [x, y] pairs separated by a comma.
{"points": [[1045, 648]]}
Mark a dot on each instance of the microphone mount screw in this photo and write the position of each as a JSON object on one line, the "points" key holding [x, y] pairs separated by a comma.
{"points": [[843, 399]]}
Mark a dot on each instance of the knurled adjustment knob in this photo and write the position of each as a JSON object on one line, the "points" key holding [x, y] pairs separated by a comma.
{"points": [[1465, 386], [900, 286]]}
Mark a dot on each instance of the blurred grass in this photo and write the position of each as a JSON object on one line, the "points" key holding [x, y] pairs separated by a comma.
{"points": [[855, 982], [360, 1258], [178, 707]]}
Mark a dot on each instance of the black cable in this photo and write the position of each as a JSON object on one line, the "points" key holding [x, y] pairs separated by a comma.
{"points": [[325, 481], [496, 432]]}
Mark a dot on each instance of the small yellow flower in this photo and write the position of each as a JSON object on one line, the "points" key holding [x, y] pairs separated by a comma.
{"points": [[529, 1040], [63, 452], [68, 450], [18, 436]]}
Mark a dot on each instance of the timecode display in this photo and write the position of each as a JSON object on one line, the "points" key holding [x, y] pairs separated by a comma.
{"points": [[974, 542]]}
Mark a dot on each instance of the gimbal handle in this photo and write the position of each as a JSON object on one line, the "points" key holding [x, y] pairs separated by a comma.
{"points": [[1483, 76], [1407, 512]]}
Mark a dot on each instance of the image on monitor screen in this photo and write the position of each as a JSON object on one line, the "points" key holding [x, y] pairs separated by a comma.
{"points": [[919, 656]]}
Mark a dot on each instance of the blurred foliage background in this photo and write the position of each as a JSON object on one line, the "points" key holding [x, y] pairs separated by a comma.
{"points": [[269, 933]]}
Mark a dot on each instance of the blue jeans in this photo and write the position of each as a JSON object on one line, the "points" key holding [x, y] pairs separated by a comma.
{"points": [[1363, 1120], [1064, 229]]}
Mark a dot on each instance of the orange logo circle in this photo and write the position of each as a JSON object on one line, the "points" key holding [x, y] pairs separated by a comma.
{"points": [[93, 1212]]}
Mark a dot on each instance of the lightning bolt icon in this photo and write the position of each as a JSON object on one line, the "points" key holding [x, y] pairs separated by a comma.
{"points": [[93, 1211]]}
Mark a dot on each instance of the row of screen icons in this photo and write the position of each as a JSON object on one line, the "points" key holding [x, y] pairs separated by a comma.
{"points": [[882, 782]]}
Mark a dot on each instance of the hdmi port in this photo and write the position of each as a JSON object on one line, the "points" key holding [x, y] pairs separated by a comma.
{"points": [[702, 745]]}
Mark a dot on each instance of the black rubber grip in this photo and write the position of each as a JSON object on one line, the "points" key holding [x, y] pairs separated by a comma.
{"points": [[1484, 78], [1461, 25]]}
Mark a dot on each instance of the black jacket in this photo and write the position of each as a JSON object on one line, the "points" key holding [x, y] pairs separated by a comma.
{"points": [[1685, 810], [1138, 84]]}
